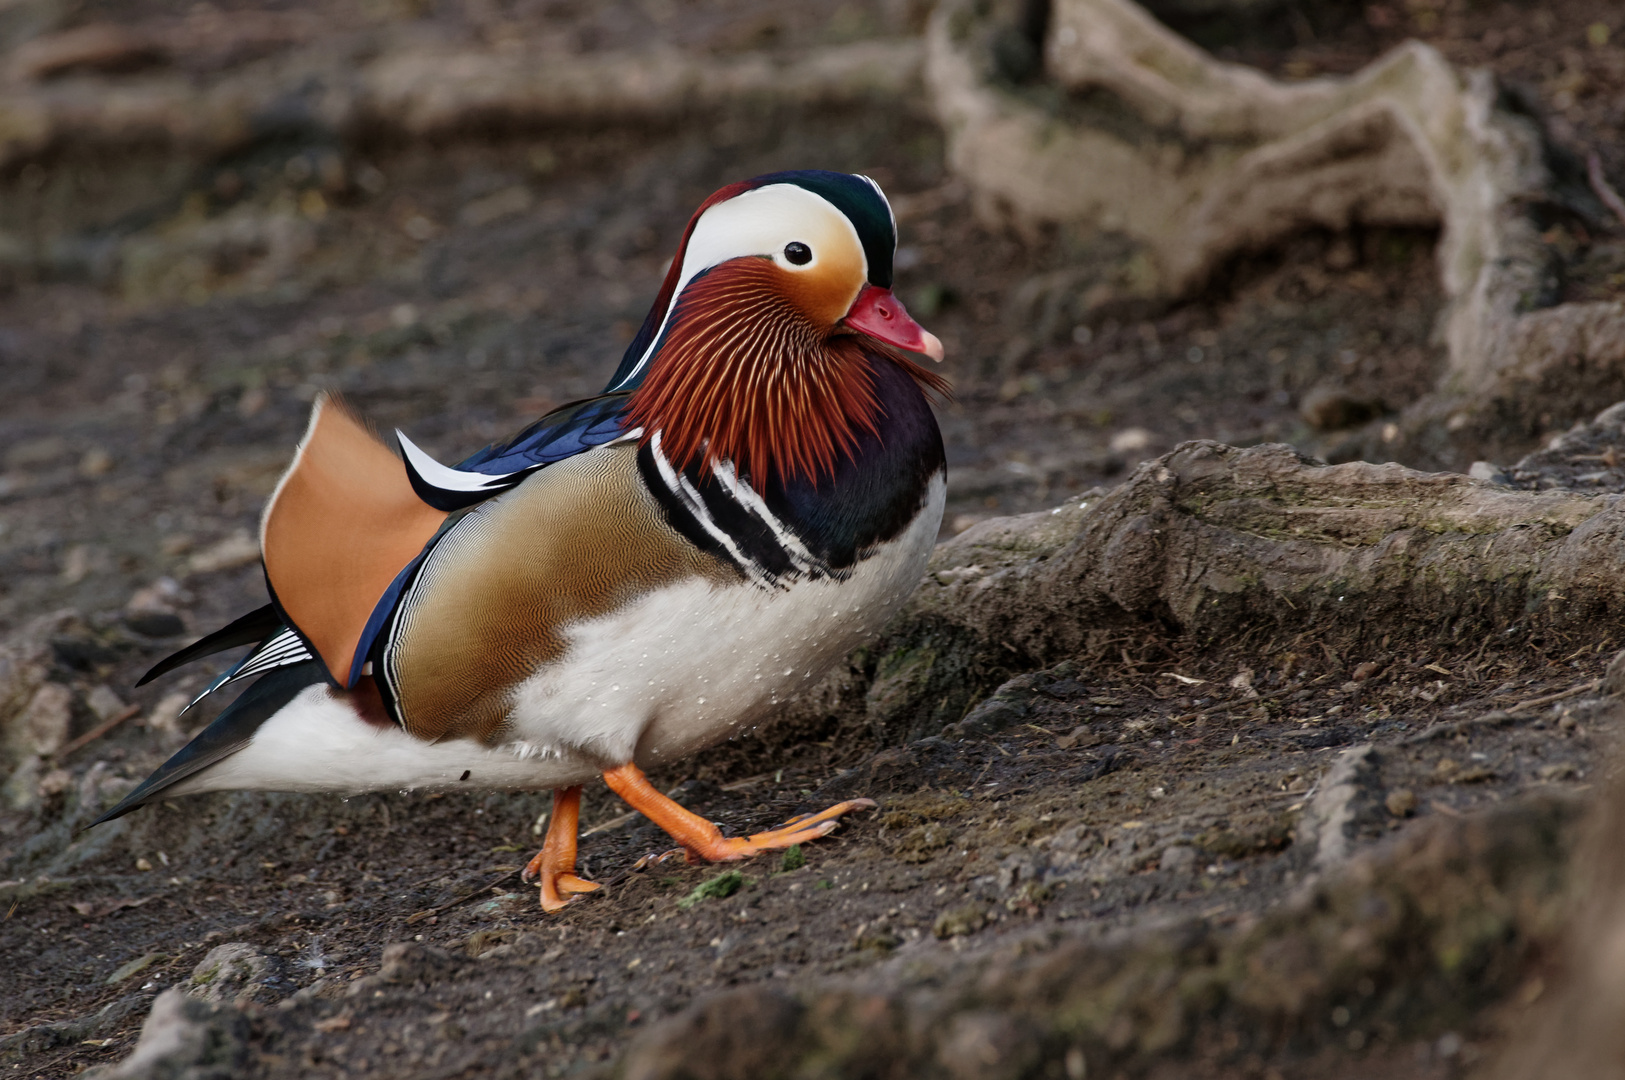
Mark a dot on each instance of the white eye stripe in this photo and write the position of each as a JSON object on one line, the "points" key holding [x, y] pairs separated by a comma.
{"points": [[759, 222]]}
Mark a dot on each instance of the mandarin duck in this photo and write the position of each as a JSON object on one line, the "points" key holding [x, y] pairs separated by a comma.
{"points": [[633, 577]]}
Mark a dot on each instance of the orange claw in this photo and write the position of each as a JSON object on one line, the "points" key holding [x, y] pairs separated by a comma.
{"points": [[701, 839], [555, 864]]}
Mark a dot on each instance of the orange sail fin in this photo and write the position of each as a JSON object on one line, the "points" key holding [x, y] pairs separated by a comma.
{"points": [[342, 523]]}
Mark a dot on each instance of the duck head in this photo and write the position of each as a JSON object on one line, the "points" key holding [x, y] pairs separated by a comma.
{"points": [[759, 347]]}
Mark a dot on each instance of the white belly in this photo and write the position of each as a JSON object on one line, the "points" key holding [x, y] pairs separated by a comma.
{"points": [[689, 666], [317, 743]]}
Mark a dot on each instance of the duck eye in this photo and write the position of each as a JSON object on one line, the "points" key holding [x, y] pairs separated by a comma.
{"points": [[797, 253]]}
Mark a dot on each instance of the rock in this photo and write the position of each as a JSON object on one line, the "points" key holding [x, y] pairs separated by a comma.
{"points": [[898, 683], [26, 658], [102, 47], [1131, 440], [184, 1039], [1178, 859], [1008, 706], [1613, 679], [409, 962], [1346, 794], [1489, 472], [103, 702], [1571, 1028], [165, 717], [235, 974], [960, 921], [1070, 847], [1401, 802], [44, 724], [101, 787], [21, 791], [988, 1045], [238, 549], [994, 714], [1587, 457]]}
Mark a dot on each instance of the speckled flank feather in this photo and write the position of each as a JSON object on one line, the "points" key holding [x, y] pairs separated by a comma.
{"points": [[493, 601]]}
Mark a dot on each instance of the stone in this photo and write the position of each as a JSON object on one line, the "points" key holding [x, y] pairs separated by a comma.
{"points": [[1178, 859], [104, 702], [184, 1037], [987, 1045], [238, 549], [1346, 793], [236, 973], [44, 724], [1613, 679], [26, 658], [960, 921]]}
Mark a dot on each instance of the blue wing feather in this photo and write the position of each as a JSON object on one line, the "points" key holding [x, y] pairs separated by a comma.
{"points": [[562, 433]]}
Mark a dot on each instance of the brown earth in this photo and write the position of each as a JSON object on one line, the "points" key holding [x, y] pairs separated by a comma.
{"points": [[1120, 863]]}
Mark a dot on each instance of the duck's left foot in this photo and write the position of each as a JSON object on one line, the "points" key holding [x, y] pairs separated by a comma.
{"points": [[702, 840], [554, 867]]}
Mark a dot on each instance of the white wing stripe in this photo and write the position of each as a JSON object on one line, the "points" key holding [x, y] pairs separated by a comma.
{"points": [[446, 478]]}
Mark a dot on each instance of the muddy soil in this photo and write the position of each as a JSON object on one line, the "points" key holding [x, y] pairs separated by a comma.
{"points": [[160, 344]]}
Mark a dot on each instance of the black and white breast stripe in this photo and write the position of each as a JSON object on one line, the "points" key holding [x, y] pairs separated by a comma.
{"points": [[725, 516]]}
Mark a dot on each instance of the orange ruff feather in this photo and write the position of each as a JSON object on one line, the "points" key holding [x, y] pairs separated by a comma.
{"points": [[745, 376], [343, 522]]}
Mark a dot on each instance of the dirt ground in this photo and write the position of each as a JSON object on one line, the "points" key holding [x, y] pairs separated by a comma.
{"points": [[167, 325]]}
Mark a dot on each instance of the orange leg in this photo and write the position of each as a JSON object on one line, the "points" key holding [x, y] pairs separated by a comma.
{"points": [[700, 838], [555, 864]]}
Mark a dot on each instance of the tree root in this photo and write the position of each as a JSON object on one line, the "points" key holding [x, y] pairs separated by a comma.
{"points": [[1133, 129], [1212, 545]]}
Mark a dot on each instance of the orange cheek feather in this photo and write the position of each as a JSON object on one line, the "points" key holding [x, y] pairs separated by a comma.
{"points": [[749, 372]]}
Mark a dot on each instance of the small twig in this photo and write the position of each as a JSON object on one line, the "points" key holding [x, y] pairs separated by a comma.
{"points": [[412, 920], [1573, 691], [612, 823], [1272, 695], [1496, 717], [99, 730], [1604, 191]]}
